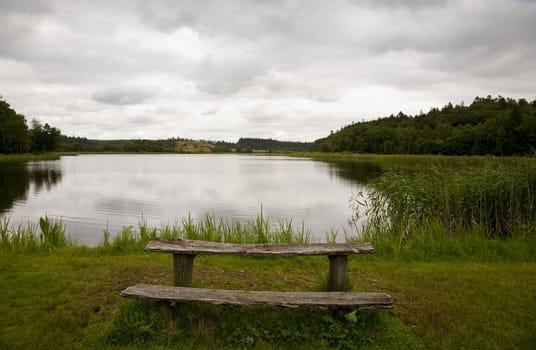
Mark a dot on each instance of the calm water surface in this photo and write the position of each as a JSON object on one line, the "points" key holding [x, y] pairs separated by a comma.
{"points": [[91, 193]]}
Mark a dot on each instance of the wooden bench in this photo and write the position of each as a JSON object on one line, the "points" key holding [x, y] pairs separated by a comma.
{"points": [[321, 300], [185, 251]]}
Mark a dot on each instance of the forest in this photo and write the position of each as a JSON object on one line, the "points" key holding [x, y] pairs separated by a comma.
{"points": [[17, 137], [498, 126], [177, 145], [247, 145], [82, 144]]}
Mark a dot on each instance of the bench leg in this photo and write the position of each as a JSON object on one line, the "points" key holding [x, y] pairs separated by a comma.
{"points": [[183, 266], [338, 272], [166, 310]]}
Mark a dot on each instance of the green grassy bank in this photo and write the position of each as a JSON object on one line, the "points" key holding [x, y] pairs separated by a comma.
{"points": [[473, 294], [24, 157], [69, 299]]}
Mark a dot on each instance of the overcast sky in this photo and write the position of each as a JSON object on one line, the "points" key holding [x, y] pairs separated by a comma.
{"points": [[289, 70]]}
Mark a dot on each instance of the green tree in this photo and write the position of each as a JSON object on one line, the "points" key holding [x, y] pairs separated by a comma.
{"points": [[14, 136], [44, 137]]}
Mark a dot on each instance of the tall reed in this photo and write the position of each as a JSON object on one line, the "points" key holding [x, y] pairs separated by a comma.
{"points": [[48, 235], [209, 228], [494, 200], [52, 233]]}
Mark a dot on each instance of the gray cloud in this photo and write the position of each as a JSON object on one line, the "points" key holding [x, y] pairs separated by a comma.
{"points": [[411, 4], [121, 95], [262, 68], [224, 75], [24, 6], [247, 19], [210, 111]]}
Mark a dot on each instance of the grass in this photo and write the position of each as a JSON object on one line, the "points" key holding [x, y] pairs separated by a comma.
{"points": [[225, 327], [405, 162], [466, 305], [449, 292], [24, 157], [69, 298], [51, 235]]}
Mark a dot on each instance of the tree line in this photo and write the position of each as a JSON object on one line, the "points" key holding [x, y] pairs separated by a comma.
{"points": [[498, 126], [17, 137], [172, 145], [247, 145], [82, 144]]}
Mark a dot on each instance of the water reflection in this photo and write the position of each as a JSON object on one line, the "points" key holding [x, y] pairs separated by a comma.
{"points": [[17, 179], [358, 172]]}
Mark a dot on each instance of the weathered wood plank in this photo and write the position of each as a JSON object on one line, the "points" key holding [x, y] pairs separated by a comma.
{"points": [[329, 300], [183, 267], [338, 272], [191, 247]]}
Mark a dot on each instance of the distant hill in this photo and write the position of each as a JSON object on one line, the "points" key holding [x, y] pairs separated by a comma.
{"points": [[498, 126], [173, 145], [193, 147], [270, 145], [82, 144]]}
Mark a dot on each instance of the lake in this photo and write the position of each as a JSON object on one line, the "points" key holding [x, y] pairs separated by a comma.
{"points": [[92, 193]]}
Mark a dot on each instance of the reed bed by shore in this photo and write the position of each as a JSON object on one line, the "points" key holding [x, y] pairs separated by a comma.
{"points": [[49, 233], [446, 209]]}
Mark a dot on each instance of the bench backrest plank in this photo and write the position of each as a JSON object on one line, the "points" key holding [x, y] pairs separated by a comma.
{"points": [[190, 247]]}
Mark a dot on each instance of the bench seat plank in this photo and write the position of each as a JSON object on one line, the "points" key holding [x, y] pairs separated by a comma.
{"points": [[330, 300], [191, 247]]}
